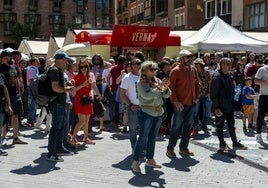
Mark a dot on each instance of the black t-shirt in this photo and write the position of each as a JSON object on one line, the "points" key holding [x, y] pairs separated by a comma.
{"points": [[55, 74], [11, 75]]}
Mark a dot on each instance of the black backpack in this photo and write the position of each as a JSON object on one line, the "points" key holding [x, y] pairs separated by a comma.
{"points": [[41, 89]]}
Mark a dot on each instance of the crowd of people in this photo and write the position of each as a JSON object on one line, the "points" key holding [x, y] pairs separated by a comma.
{"points": [[140, 95]]}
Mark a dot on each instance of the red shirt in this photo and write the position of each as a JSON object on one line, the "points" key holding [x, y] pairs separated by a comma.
{"points": [[184, 85], [252, 70], [115, 72]]}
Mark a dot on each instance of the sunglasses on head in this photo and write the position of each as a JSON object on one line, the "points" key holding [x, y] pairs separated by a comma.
{"points": [[85, 66], [152, 69]]}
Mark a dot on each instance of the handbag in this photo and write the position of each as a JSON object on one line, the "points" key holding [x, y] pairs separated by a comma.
{"points": [[85, 100]]}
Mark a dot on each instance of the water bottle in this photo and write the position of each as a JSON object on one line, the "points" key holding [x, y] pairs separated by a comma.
{"points": [[237, 92]]}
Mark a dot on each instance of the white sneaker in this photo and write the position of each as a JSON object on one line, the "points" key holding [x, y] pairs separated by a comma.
{"points": [[47, 129], [37, 126], [259, 138], [267, 136], [4, 142], [136, 166], [152, 163]]}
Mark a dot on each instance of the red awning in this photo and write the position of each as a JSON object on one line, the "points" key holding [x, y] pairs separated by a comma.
{"points": [[140, 36], [174, 40], [93, 37]]}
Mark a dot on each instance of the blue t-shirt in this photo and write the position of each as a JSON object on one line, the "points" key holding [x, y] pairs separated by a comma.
{"points": [[245, 100]]}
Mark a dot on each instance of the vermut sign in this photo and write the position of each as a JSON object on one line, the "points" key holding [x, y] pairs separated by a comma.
{"points": [[140, 36]]}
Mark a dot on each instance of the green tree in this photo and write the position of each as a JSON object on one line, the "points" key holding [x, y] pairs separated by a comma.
{"points": [[20, 31]]}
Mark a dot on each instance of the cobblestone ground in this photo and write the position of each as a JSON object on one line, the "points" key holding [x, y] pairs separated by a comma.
{"points": [[107, 164]]}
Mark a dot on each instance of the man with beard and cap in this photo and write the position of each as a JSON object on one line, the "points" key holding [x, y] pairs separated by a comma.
{"points": [[185, 91], [12, 77]]}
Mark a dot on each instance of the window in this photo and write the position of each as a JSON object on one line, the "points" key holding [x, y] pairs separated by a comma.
{"points": [[80, 6], [56, 20], [8, 2], [57, 5], [210, 8], [32, 18], [179, 20], [178, 3], [8, 27], [164, 22], [8, 17], [226, 7], [33, 3], [257, 16]]}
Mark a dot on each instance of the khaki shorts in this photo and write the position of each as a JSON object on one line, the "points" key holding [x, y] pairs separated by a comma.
{"points": [[248, 109]]}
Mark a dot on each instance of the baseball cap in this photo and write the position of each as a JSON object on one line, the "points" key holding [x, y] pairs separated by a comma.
{"points": [[207, 54], [62, 55], [5, 53], [184, 53], [220, 54], [199, 61], [252, 54]]}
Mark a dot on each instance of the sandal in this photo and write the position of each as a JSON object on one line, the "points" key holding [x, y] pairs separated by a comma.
{"points": [[88, 141], [75, 141]]}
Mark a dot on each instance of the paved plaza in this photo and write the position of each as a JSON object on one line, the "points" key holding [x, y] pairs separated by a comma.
{"points": [[107, 164]]}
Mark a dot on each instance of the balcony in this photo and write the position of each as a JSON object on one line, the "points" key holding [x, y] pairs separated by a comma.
{"points": [[56, 9], [149, 13], [125, 10], [133, 19], [32, 8], [162, 8], [8, 7], [119, 10], [140, 17]]}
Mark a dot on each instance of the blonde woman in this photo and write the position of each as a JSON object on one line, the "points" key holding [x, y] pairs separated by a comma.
{"points": [[151, 92]]}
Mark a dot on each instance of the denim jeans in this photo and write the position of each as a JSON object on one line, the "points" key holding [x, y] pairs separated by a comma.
{"points": [[132, 124], [149, 126], [55, 140], [114, 110], [206, 112], [2, 115], [182, 121], [32, 108]]}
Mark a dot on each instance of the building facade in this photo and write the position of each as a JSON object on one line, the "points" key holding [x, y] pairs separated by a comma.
{"points": [[53, 16], [178, 14]]}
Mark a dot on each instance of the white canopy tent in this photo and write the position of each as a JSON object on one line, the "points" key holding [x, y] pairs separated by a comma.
{"points": [[217, 35]]}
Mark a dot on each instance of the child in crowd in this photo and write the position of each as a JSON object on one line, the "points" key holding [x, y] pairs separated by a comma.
{"points": [[248, 95]]}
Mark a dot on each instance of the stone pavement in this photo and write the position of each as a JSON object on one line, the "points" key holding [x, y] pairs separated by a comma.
{"points": [[107, 164]]}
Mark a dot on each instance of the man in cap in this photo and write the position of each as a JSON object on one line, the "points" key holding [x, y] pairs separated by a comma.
{"points": [[11, 74], [218, 56], [58, 108], [251, 62], [222, 96], [185, 89], [204, 100]]}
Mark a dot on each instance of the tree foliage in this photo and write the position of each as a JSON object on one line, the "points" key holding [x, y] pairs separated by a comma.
{"points": [[20, 31]]}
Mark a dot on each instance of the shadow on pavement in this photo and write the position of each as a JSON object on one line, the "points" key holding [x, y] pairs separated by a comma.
{"points": [[124, 164], [119, 136], [182, 164], [151, 178], [40, 166], [38, 135], [223, 156], [263, 146]]}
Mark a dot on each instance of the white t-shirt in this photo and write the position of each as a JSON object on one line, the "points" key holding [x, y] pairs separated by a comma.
{"points": [[105, 75], [129, 83], [262, 74]]}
